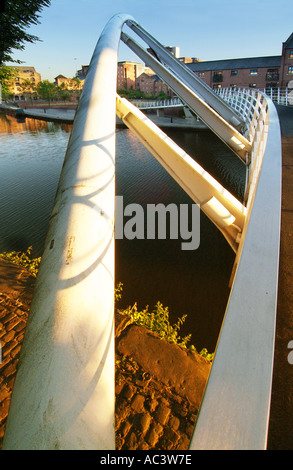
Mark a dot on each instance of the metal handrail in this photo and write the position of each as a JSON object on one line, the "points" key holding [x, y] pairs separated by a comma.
{"points": [[167, 103], [236, 407], [280, 96], [63, 395]]}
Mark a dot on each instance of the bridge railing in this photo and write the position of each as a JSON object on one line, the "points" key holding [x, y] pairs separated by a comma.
{"points": [[167, 103], [64, 395], [277, 95], [252, 105], [236, 406], [242, 100], [280, 96]]}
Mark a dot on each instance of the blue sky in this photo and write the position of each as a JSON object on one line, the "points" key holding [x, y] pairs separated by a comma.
{"points": [[207, 29]]}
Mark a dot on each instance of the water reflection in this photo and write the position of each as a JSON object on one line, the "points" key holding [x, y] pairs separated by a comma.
{"points": [[195, 283], [10, 125], [31, 158]]}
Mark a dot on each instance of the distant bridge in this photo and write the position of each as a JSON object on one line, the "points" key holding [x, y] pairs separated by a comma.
{"points": [[157, 104], [277, 95], [64, 390]]}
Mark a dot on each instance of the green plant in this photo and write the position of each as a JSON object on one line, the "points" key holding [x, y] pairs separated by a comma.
{"points": [[204, 353], [46, 90], [118, 292], [23, 259], [158, 321]]}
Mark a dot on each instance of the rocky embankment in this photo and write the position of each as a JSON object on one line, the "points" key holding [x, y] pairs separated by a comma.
{"points": [[159, 386]]}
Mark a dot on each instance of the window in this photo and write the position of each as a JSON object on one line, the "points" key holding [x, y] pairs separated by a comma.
{"points": [[201, 74], [234, 73], [252, 85], [253, 72], [272, 74], [218, 77], [291, 54], [290, 69]]}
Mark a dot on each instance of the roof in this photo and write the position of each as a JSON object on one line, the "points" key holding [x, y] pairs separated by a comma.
{"points": [[289, 43], [231, 64], [147, 75], [24, 67]]}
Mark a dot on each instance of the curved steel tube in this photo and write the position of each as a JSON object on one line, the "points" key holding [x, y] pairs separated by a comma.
{"points": [[63, 396]]}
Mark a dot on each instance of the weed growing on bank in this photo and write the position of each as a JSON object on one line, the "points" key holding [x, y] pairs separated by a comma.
{"points": [[157, 321], [23, 259]]}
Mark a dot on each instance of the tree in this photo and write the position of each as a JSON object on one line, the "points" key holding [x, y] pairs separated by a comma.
{"points": [[46, 90], [28, 88], [63, 92], [15, 17], [76, 85], [6, 76]]}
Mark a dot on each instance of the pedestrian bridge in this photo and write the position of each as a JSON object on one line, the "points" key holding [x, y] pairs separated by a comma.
{"points": [[277, 95], [64, 391], [158, 104]]}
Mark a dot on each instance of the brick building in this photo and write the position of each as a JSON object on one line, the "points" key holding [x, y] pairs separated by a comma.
{"points": [[19, 86], [255, 72], [128, 72], [81, 74], [68, 83], [151, 84], [286, 74]]}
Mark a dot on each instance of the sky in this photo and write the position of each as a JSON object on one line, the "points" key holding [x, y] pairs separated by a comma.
{"points": [[207, 29]]}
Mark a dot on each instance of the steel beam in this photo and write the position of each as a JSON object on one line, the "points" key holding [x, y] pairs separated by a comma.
{"points": [[225, 211], [188, 77], [225, 131]]}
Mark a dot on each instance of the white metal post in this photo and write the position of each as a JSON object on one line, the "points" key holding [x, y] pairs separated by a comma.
{"points": [[63, 396]]}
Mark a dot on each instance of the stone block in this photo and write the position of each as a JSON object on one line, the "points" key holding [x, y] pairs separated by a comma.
{"points": [[138, 403]]}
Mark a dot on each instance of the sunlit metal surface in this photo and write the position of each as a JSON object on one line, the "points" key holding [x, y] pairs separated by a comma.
{"points": [[63, 396], [236, 406]]}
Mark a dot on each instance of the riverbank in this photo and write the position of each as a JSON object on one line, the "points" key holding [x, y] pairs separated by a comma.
{"points": [[159, 386], [66, 115]]}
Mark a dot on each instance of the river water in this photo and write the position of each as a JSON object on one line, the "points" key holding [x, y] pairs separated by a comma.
{"points": [[188, 282]]}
